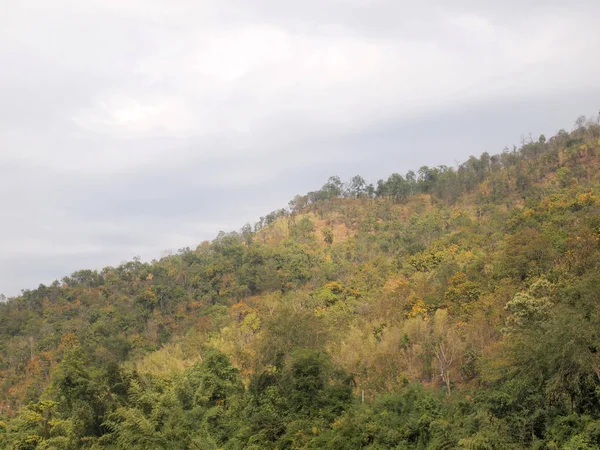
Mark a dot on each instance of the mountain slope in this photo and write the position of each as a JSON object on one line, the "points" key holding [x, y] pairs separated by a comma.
{"points": [[448, 308]]}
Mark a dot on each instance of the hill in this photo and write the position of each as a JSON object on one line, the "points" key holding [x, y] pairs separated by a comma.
{"points": [[447, 308]]}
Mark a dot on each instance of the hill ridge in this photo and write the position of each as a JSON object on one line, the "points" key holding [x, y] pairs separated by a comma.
{"points": [[459, 304]]}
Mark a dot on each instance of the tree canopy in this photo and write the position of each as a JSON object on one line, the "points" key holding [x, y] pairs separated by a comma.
{"points": [[441, 308]]}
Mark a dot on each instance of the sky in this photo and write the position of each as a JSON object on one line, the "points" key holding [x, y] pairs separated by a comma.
{"points": [[138, 127]]}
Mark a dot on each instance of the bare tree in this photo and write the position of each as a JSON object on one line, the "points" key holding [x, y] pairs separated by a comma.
{"points": [[448, 346]]}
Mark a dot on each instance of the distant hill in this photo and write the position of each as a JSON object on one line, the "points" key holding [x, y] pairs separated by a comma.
{"points": [[438, 309]]}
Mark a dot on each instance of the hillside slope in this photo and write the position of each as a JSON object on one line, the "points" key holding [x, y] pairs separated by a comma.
{"points": [[448, 308]]}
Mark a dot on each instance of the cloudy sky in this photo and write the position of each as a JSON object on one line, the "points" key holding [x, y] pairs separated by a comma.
{"points": [[131, 127]]}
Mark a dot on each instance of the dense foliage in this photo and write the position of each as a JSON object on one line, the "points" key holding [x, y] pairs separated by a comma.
{"points": [[447, 308]]}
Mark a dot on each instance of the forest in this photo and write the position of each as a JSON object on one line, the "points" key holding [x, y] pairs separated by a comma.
{"points": [[444, 308]]}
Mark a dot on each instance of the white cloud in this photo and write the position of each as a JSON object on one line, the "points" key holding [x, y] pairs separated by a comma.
{"points": [[229, 78]]}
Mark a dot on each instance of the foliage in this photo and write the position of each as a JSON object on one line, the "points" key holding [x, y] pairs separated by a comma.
{"points": [[443, 308]]}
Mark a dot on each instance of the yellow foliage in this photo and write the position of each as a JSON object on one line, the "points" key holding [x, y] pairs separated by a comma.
{"points": [[587, 198], [334, 287], [251, 323], [320, 311], [528, 213], [396, 285], [169, 360], [485, 188], [418, 309]]}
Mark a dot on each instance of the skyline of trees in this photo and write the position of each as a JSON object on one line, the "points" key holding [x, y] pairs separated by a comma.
{"points": [[456, 308]]}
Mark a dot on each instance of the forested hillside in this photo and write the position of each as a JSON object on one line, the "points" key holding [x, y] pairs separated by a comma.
{"points": [[446, 308]]}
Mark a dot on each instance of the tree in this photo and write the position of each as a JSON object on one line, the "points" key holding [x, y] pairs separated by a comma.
{"points": [[328, 235], [427, 178], [447, 346], [214, 380], [81, 394], [333, 188], [357, 187]]}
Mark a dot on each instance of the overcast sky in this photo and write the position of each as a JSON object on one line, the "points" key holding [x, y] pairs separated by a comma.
{"points": [[131, 127]]}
